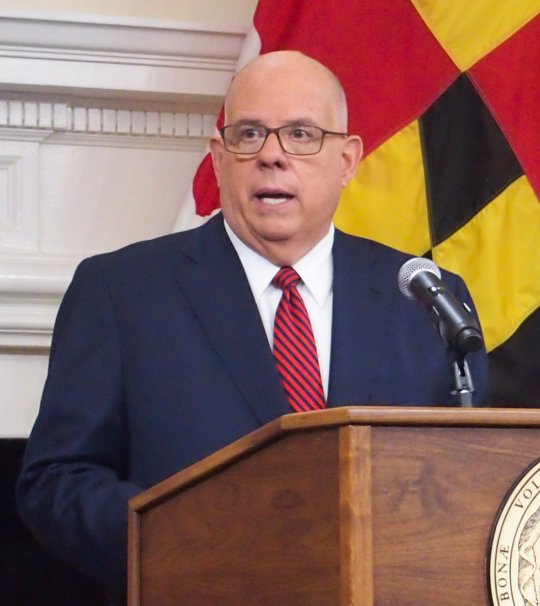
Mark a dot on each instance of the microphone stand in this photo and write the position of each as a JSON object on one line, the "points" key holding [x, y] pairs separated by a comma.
{"points": [[463, 383]]}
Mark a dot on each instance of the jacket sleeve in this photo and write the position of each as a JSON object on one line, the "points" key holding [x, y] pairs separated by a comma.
{"points": [[73, 489]]}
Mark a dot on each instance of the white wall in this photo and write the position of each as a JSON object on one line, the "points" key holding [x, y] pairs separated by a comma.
{"points": [[23, 375], [104, 117]]}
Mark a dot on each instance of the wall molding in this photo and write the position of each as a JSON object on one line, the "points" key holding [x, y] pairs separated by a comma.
{"points": [[61, 123], [19, 166], [90, 81], [31, 288], [112, 56]]}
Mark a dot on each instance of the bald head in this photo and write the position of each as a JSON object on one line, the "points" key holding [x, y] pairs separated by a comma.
{"points": [[282, 71]]}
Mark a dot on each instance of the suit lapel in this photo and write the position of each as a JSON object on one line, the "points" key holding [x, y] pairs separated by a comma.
{"points": [[362, 301], [213, 280]]}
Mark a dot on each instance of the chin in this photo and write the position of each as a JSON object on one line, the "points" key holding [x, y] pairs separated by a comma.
{"points": [[276, 236], [276, 228]]}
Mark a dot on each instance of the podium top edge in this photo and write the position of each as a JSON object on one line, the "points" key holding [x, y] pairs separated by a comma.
{"points": [[389, 416], [414, 415]]}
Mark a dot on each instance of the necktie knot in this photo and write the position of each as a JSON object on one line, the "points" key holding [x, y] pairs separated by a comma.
{"points": [[286, 278]]}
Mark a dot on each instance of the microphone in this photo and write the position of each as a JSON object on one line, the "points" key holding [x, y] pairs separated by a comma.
{"points": [[420, 279]]}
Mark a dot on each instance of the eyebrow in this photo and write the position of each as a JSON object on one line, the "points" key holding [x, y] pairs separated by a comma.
{"points": [[295, 122], [247, 121]]}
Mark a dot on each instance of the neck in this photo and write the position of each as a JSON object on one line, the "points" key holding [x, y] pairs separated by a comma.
{"points": [[284, 253]]}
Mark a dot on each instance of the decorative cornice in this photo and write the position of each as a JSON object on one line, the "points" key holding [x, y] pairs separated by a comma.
{"points": [[104, 57], [61, 123]]}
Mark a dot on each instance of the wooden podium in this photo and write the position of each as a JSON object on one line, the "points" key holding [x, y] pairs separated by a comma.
{"points": [[356, 506]]}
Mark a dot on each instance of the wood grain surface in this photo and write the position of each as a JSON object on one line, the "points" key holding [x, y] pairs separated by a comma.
{"points": [[345, 507]]}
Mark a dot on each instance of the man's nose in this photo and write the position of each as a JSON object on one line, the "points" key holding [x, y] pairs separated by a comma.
{"points": [[272, 151]]}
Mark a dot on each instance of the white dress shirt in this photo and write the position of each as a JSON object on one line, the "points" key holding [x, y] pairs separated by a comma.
{"points": [[316, 271]]}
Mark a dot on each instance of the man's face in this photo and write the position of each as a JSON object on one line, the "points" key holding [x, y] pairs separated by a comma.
{"points": [[278, 204]]}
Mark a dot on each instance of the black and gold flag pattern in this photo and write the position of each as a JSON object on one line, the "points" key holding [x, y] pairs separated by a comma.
{"points": [[473, 204]]}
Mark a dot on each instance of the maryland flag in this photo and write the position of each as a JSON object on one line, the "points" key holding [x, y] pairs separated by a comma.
{"points": [[446, 96]]}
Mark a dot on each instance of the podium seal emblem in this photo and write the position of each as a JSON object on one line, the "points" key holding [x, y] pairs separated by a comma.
{"points": [[514, 563]]}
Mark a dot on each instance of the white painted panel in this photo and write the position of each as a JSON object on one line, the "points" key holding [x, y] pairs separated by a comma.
{"points": [[21, 384], [99, 198], [18, 192]]}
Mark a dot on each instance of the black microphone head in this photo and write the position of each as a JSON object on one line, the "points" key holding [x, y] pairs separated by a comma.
{"points": [[410, 269]]}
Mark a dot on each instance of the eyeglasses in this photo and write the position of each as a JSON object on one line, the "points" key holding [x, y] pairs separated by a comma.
{"points": [[297, 140]]}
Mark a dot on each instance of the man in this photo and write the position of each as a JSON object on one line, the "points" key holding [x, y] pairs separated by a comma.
{"points": [[162, 352]]}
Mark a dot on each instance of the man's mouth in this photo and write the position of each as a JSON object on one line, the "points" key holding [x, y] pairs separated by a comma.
{"points": [[273, 198]]}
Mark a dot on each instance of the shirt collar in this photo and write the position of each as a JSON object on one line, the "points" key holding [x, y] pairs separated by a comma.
{"points": [[315, 268]]}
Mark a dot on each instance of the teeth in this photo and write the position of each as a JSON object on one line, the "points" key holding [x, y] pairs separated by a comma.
{"points": [[274, 198], [273, 201]]}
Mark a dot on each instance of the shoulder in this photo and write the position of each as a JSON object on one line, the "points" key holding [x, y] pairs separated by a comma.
{"points": [[370, 256], [363, 255], [355, 245], [153, 254]]}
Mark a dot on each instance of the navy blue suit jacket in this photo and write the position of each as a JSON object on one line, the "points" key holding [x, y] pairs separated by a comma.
{"points": [[160, 357]]}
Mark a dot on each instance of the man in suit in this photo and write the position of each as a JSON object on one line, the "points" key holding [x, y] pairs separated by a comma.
{"points": [[162, 352]]}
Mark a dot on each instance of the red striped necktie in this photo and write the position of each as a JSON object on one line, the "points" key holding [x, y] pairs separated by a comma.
{"points": [[295, 351]]}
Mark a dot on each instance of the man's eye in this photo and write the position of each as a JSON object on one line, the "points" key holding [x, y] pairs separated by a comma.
{"points": [[300, 133], [249, 133]]}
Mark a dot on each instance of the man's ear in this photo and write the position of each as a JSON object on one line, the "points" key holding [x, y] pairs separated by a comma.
{"points": [[217, 152], [351, 155]]}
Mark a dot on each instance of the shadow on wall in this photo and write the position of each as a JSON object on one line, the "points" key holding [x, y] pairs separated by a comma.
{"points": [[29, 575]]}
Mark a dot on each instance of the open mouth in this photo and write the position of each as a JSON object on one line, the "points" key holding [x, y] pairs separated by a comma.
{"points": [[273, 198]]}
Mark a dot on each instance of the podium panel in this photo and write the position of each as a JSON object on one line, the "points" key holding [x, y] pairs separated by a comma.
{"points": [[351, 506]]}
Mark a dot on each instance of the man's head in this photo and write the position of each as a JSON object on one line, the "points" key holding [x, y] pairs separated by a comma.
{"points": [[278, 203]]}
